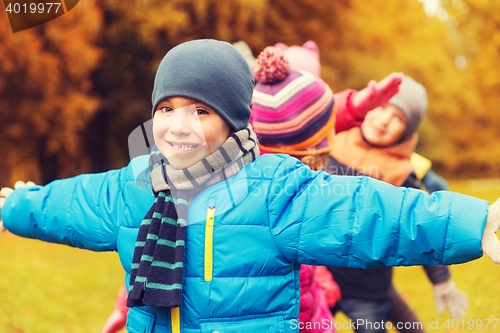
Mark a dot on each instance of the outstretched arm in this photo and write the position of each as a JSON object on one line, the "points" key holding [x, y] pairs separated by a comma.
{"points": [[84, 211], [360, 222], [352, 105]]}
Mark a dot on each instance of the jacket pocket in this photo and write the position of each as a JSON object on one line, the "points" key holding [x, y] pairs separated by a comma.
{"points": [[272, 324], [139, 321]]}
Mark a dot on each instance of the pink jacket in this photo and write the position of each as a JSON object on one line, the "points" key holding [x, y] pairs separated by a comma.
{"points": [[315, 315]]}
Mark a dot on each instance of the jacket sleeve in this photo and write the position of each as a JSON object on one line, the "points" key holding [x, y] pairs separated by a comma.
{"points": [[433, 182], [360, 222], [437, 273], [84, 211], [346, 117]]}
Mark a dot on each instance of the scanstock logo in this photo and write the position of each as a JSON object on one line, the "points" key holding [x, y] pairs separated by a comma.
{"points": [[28, 14]]}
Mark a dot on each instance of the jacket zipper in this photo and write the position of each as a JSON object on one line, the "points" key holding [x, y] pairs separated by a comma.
{"points": [[209, 243], [176, 320]]}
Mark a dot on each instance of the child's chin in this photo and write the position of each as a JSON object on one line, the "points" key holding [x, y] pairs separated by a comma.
{"points": [[179, 164], [374, 141], [178, 161]]}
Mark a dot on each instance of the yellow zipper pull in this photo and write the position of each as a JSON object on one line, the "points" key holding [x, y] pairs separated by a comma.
{"points": [[176, 319], [209, 243]]}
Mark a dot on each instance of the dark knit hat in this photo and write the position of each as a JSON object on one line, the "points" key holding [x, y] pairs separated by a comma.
{"points": [[210, 71], [412, 100]]}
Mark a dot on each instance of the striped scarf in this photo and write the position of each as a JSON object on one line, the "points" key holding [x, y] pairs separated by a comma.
{"points": [[157, 264]]}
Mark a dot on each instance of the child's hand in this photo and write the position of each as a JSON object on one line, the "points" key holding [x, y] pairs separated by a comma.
{"points": [[376, 93], [448, 296], [491, 244], [6, 191]]}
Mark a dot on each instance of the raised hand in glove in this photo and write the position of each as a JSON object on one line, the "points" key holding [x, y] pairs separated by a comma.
{"points": [[491, 244], [6, 191], [448, 296], [376, 93]]}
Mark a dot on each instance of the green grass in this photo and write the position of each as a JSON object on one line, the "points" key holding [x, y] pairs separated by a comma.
{"points": [[57, 289], [49, 288]]}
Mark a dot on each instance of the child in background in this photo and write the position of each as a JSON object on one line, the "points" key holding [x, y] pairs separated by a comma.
{"points": [[306, 57], [352, 105], [381, 147], [221, 246], [283, 126]]}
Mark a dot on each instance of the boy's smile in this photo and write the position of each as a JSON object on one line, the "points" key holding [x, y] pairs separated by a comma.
{"points": [[186, 131], [183, 147]]}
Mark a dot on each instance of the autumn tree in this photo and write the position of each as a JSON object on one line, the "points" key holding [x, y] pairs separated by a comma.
{"points": [[44, 96], [476, 24], [458, 133], [80, 84]]}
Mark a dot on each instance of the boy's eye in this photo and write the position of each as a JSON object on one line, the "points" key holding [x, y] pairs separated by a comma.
{"points": [[165, 109], [199, 111]]}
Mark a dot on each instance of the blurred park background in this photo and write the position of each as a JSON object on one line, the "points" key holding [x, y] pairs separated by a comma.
{"points": [[73, 89]]}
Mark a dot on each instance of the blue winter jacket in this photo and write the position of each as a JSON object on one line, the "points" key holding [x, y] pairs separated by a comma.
{"points": [[241, 272]]}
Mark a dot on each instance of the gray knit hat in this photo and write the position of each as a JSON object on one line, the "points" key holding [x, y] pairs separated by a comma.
{"points": [[412, 100], [209, 71]]}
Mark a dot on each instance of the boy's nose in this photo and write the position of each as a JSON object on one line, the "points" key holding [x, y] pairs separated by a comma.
{"points": [[183, 122], [384, 117]]}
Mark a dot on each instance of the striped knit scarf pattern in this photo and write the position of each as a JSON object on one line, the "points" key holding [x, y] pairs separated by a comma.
{"points": [[157, 264]]}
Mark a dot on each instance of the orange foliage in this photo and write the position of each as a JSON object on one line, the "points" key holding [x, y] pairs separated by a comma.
{"points": [[73, 89], [44, 96]]}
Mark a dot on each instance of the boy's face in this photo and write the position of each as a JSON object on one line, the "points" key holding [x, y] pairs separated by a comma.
{"points": [[186, 131], [384, 125]]}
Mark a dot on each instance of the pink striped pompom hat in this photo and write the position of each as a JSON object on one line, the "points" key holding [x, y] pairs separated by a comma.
{"points": [[292, 111]]}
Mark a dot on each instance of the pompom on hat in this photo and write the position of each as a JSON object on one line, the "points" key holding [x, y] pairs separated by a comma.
{"points": [[292, 111], [271, 66]]}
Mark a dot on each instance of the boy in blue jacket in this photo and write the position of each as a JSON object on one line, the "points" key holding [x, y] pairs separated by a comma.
{"points": [[220, 248]]}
